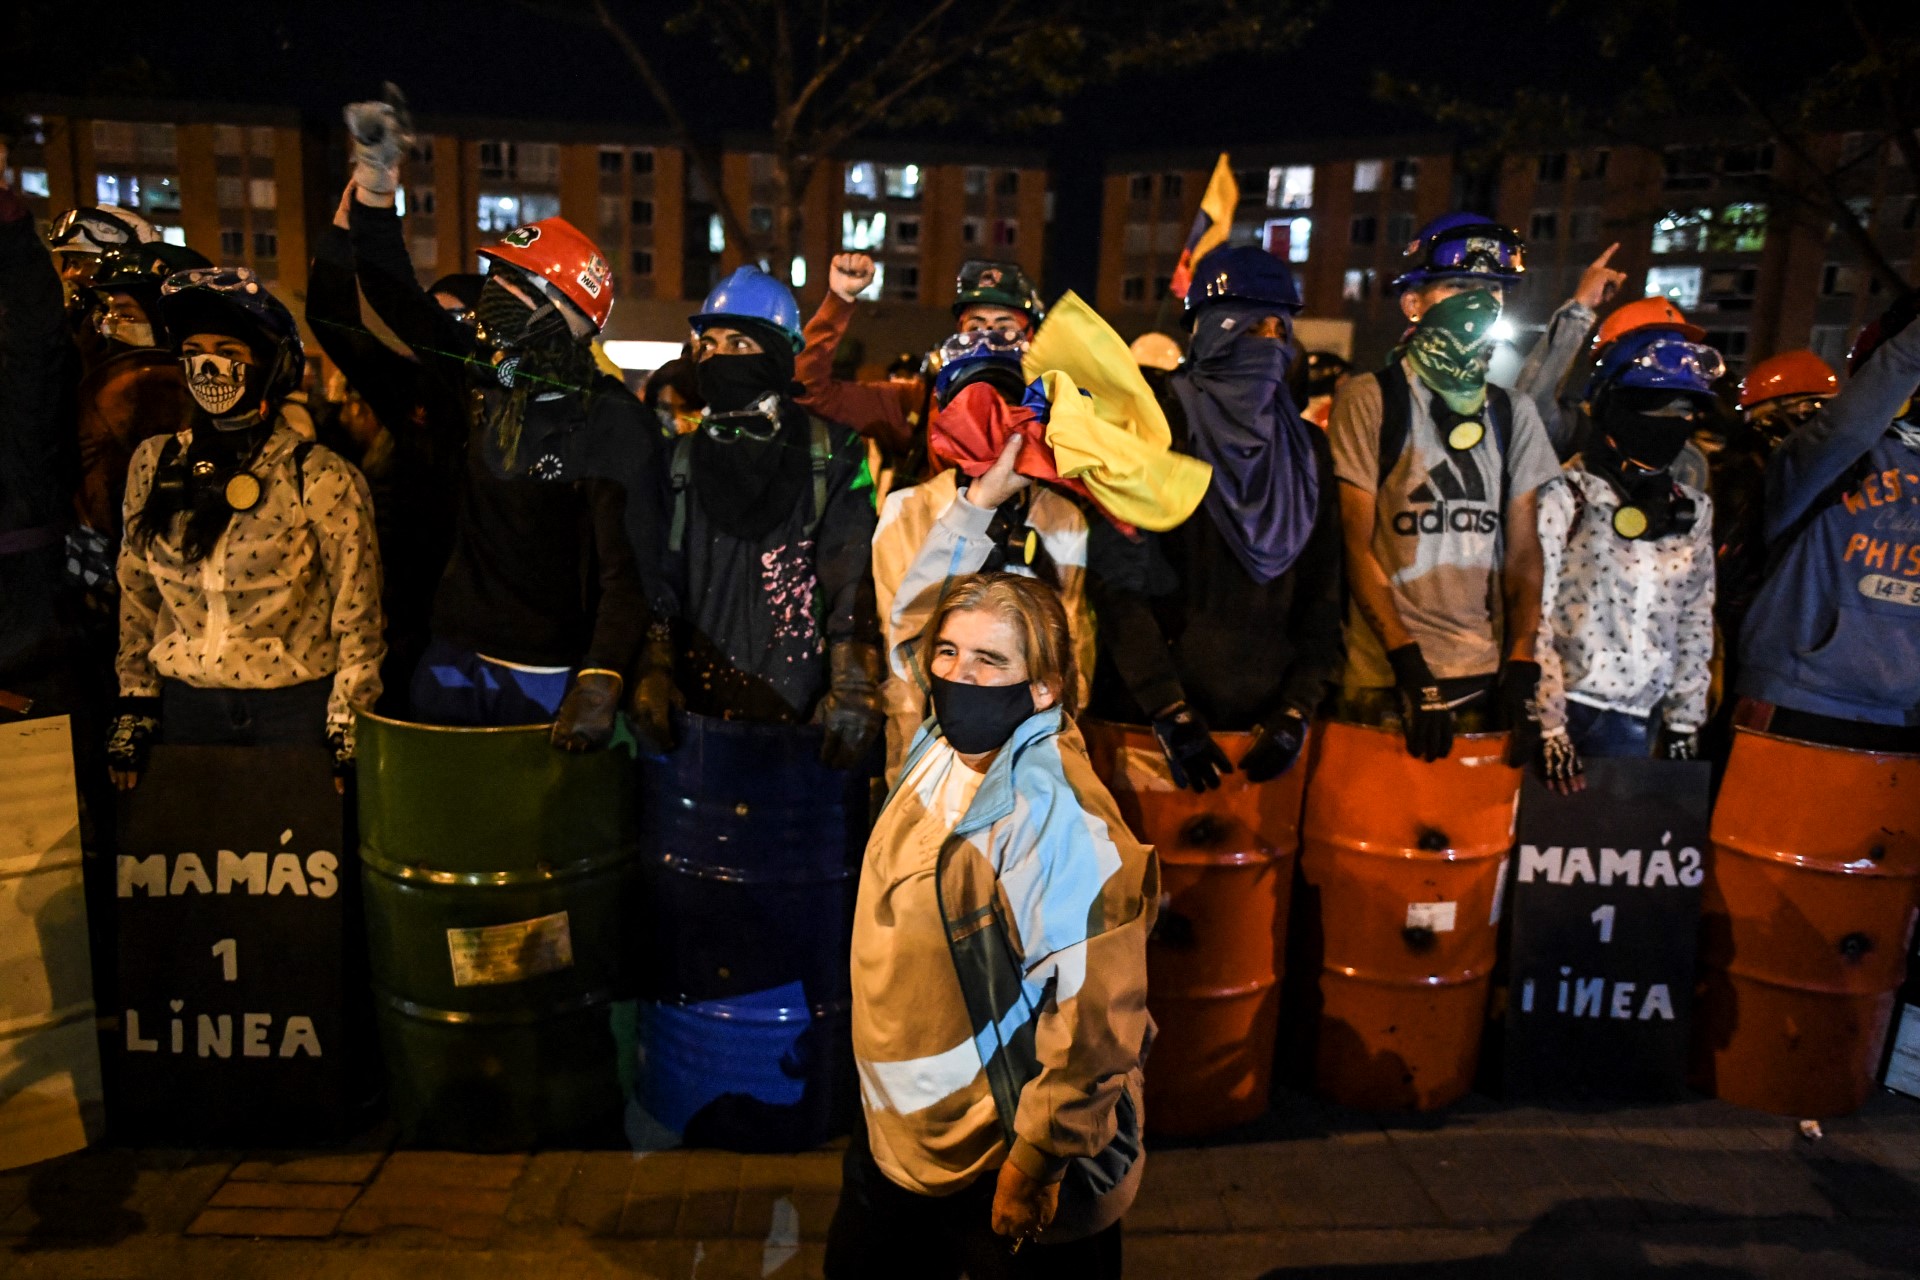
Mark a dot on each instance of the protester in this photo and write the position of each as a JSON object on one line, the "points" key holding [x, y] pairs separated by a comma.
{"points": [[80, 236], [1777, 397], [406, 423], [999, 973], [988, 296], [1439, 473], [1626, 632], [672, 392], [36, 676], [1231, 620], [1831, 648], [1326, 370], [766, 599], [250, 574]]}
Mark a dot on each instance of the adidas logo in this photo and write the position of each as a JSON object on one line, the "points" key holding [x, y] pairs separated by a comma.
{"points": [[1458, 481]]}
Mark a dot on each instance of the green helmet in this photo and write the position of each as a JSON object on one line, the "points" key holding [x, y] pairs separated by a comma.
{"points": [[997, 284]]}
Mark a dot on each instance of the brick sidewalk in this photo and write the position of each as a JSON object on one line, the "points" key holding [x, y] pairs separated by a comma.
{"points": [[1702, 1189]]}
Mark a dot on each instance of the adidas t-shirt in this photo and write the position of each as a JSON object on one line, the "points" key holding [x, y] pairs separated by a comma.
{"points": [[1436, 527]]}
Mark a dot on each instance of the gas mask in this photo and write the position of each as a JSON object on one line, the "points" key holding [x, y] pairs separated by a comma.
{"points": [[231, 391], [513, 328]]}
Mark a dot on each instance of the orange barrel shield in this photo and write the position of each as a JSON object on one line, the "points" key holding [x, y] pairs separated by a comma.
{"points": [[1806, 916], [1401, 875], [1214, 961]]}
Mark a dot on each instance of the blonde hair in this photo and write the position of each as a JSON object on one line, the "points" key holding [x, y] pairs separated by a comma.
{"points": [[1034, 609]]}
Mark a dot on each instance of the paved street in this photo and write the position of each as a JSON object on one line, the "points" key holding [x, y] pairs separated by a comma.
{"points": [[1700, 1190]]}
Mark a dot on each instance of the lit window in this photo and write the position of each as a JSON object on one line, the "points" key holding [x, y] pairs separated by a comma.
{"points": [[1299, 232], [498, 213], [861, 232], [400, 202], [797, 272], [1366, 175], [34, 182], [1354, 286], [1740, 228], [902, 182], [1290, 187], [1678, 285], [263, 194], [1406, 174], [862, 180], [173, 235], [716, 234], [1681, 231], [872, 292], [106, 188]]}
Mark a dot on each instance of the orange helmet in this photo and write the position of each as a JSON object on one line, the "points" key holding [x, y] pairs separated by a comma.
{"points": [[554, 250], [1791, 373], [1646, 313]]}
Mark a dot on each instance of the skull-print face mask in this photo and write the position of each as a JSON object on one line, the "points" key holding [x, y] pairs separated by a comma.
{"points": [[229, 390]]}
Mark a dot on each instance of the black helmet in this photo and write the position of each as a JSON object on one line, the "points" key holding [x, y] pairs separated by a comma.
{"points": [[232, 300], [997, 284], [139, 270]]}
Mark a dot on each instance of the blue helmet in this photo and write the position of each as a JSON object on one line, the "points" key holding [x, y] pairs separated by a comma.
{"points": [[232, 300], [751, 294], [979, 355], [1243, 272], [1658, 360], [1462, 244]]}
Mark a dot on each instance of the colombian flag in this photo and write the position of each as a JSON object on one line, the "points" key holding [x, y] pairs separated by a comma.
{"points": [[1210, 225]]}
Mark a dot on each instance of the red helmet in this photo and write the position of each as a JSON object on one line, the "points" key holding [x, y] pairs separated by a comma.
{"points": [[1646, 313], [1791, 373], [554, 250]]}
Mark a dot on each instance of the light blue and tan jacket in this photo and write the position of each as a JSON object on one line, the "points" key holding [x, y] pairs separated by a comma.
{"points": [[1023, 997]]}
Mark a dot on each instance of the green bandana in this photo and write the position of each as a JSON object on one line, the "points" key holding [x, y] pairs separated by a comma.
{"points": [[1451, 345]]}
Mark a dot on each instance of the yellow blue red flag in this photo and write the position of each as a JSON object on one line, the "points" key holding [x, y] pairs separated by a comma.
{"points": [[1210, 225]]}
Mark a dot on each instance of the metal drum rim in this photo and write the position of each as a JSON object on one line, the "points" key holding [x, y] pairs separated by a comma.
{"points": [[815, 1012], [1804, 862], [460, 729], [1370, 849], [1372, 978], [733, 875], [410, 874], [1821, 746], [1759, 979], [1244, 991], [1263, 857], [428, 1014]]}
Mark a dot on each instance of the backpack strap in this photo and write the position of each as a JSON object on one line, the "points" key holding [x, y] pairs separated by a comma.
{"points": [[1396, 417], [1500, 418], [819, 454], [681, 475]]}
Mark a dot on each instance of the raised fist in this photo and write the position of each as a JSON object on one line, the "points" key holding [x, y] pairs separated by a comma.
{"points": [[849, 273]]}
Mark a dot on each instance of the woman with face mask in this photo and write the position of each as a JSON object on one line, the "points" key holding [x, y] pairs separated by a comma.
{"points": [[249, 576], [1000, 1062], [1626, 625]]}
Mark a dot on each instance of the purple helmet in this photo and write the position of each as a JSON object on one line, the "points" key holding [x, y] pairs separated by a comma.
{"points": [[1463, 244]]}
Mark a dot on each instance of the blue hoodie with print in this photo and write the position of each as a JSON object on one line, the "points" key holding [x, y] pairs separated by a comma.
{"points": [[1836, 629]]}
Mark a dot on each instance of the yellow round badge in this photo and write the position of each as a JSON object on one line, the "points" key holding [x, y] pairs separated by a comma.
{"points": [[243, 492], [1465, 435], [1032, 545], [1629, 522]]}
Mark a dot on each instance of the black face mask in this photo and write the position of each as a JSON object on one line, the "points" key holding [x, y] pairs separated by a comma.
{"points": [[1652, 439], [977, 718], [731, 383]]}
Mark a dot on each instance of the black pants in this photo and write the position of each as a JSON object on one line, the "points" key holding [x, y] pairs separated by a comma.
{"points": [[882, 1231], [295, 716]]}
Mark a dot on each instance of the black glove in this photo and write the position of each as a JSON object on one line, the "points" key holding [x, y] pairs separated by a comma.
{"points": [[655, 696], [1429, 718], [341, 740], [1560, 762], [1197, 760], [851, 713], [585, 722], [135, 722], [1276, 745], [1681, 745], [1520, 709]]}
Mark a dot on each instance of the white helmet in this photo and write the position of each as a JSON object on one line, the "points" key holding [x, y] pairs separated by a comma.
{"points": [[1156, 351], [98, 228]]}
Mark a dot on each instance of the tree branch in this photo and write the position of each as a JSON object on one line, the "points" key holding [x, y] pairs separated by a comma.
{"points": [[703, 159], [1901, 125]]}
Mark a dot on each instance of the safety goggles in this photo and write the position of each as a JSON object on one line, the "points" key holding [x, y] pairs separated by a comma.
{"points": [[981, 344], [1676, 358], [1483, 248], [759, 421], [77, 223]]}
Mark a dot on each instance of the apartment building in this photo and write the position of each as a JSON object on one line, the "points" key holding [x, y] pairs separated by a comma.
{"points": [[1729, 230]]}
